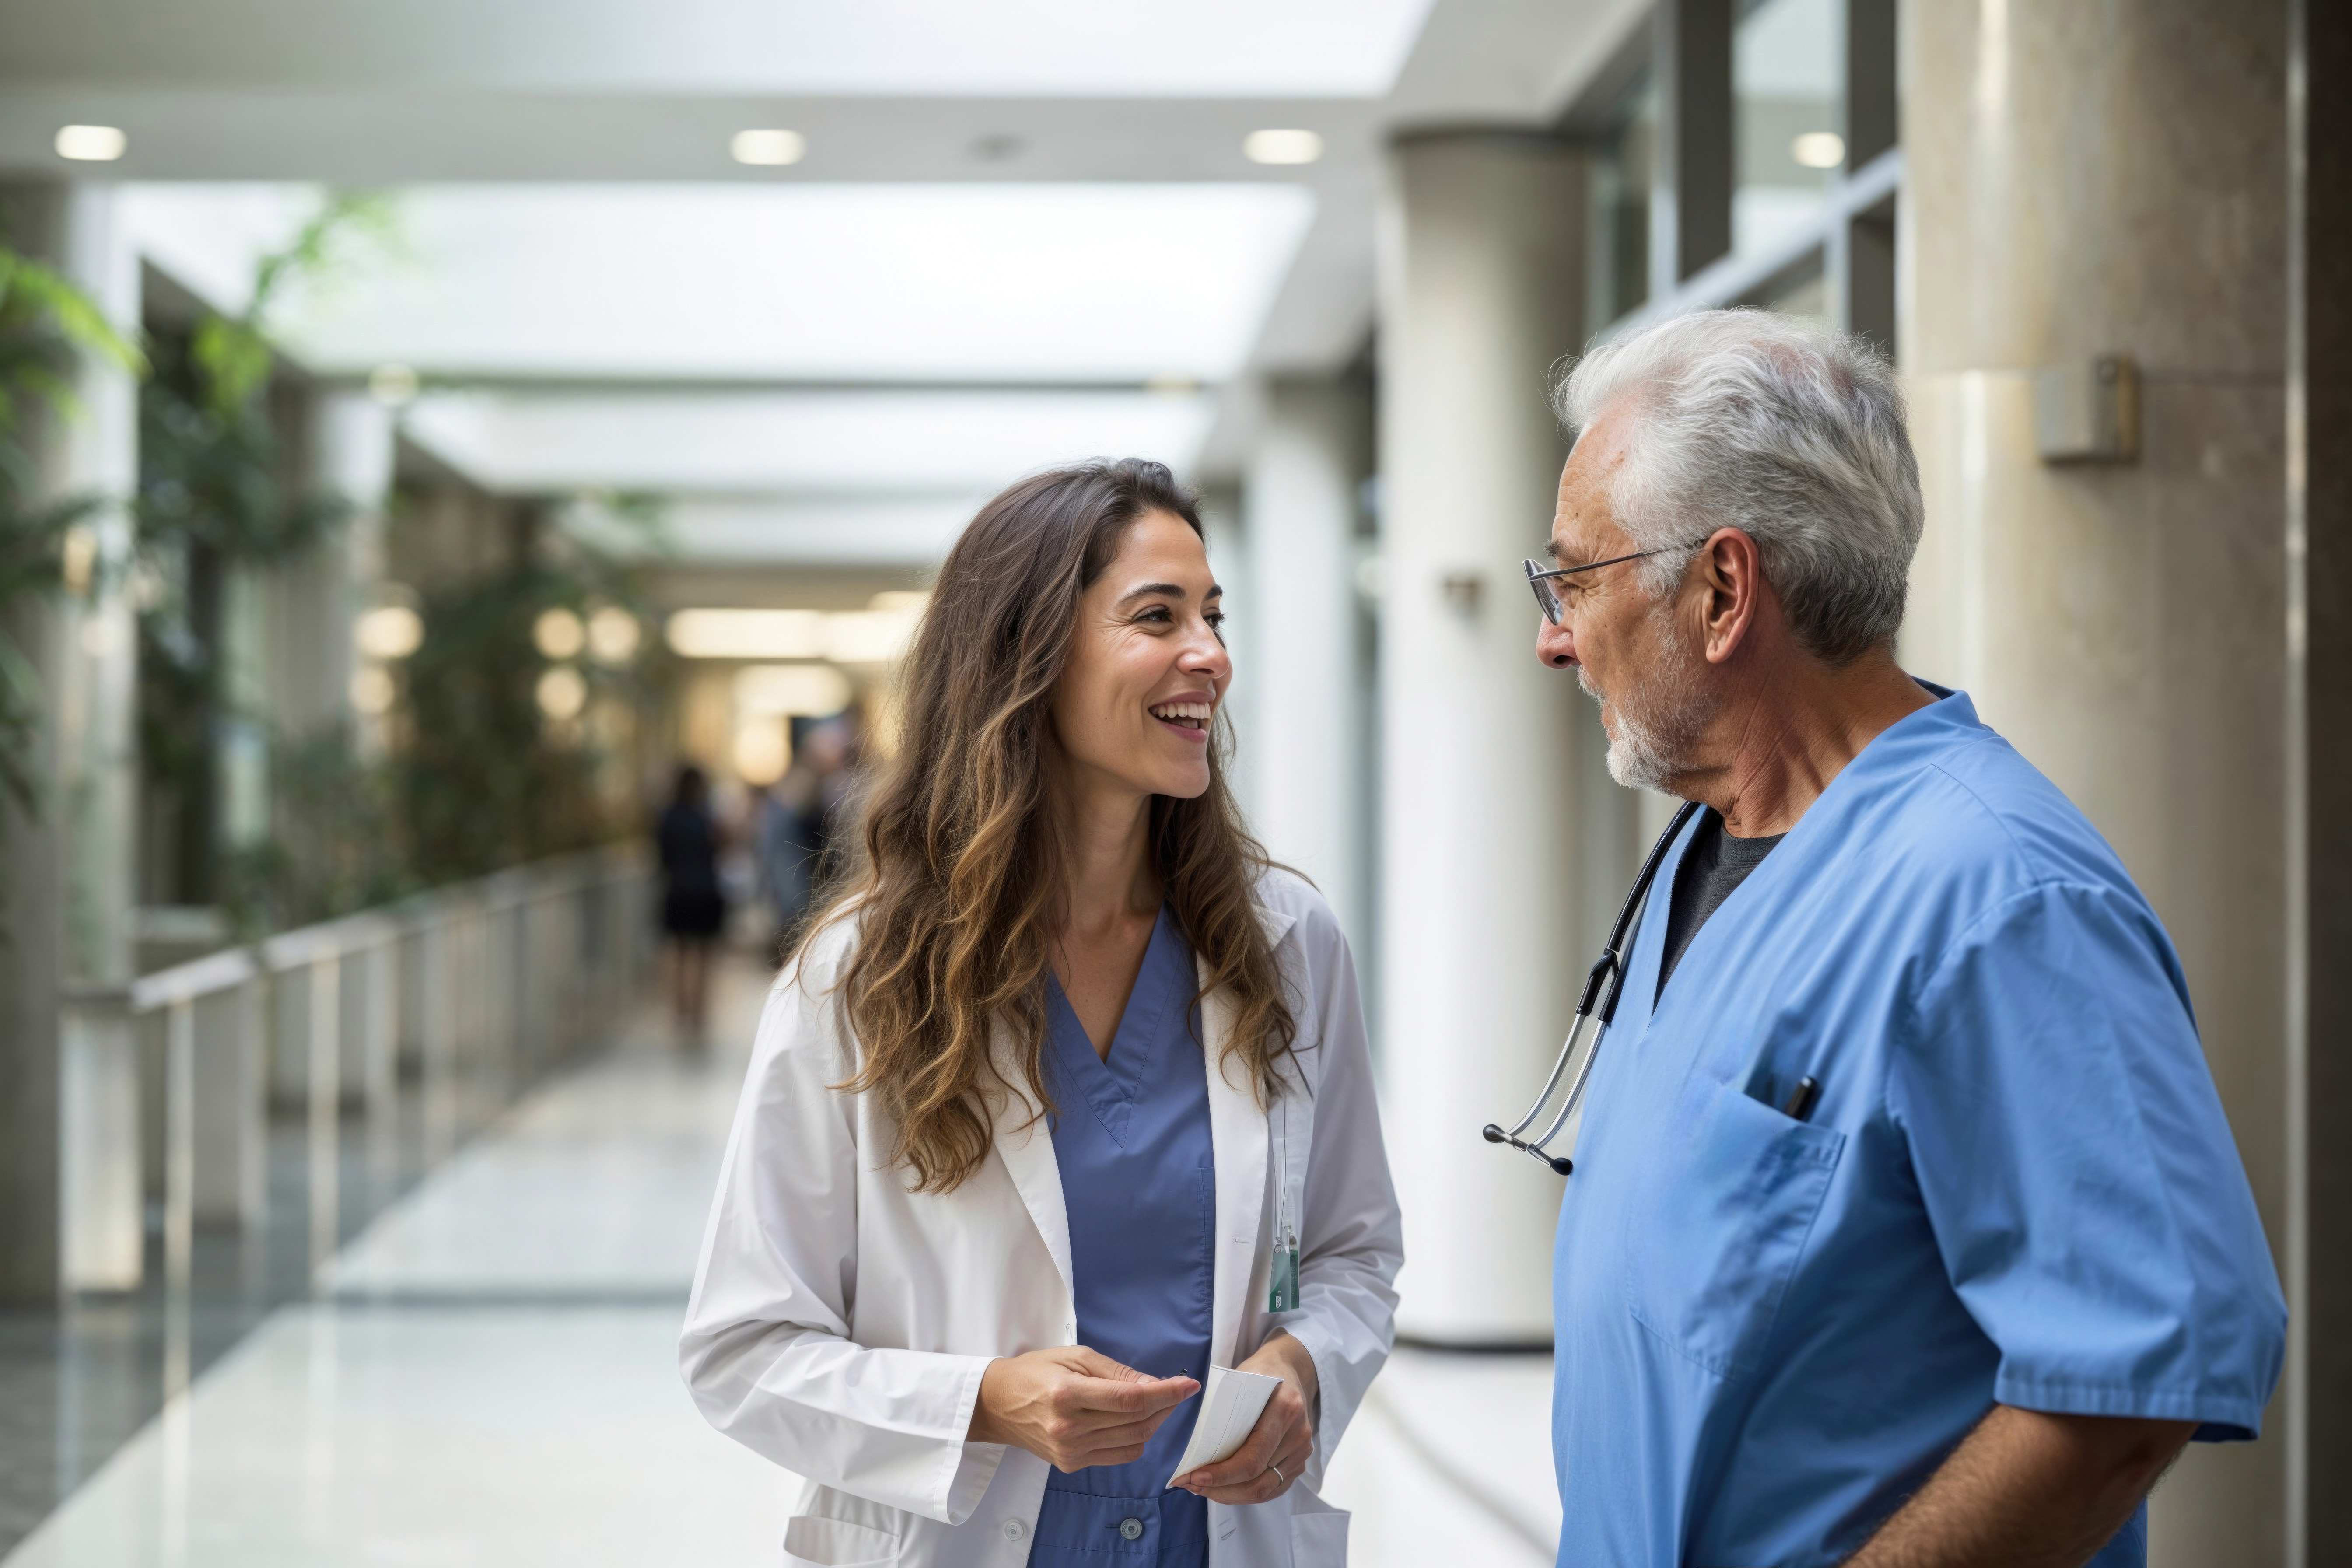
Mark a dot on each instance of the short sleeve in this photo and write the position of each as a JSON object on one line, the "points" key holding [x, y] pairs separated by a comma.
{"points": [[2081, 1179]]}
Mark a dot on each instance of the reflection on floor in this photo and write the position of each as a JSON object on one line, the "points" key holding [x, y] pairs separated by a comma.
{"points": [[489, 1372], [1450, 1462], [486, 1374], [79, 1379]]}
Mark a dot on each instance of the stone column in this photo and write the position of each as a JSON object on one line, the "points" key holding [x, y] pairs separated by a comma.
{"points": [[351, 441], [2089, 181], [1312, 454], [1229, 563], [346, 441], [69, 1178], [1498, 829]]}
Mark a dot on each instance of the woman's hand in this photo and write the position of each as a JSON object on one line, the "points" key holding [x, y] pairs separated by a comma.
{"points": [[1279, 1446], [1074, 1407]]}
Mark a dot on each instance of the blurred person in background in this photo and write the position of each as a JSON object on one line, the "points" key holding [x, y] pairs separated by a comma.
{"points": [[693, 903], [797, 827], [832, 750], [1065, 1101], [1906, 1228], [786, 839]]}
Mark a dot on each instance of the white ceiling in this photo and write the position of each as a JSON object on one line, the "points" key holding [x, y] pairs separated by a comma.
{"points": [[769, 531], [1068, 48], [944, 283], [942, 443], [1038, 195]]}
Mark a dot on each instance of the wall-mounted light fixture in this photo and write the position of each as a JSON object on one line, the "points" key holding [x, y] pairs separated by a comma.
{"points": [[2089, 412]]}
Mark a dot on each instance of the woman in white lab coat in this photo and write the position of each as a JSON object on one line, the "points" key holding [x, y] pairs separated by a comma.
{"points": [[1069, 1071]]}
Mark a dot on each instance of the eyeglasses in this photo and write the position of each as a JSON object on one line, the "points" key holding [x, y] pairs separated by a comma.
{"points": [[1539, 578]]}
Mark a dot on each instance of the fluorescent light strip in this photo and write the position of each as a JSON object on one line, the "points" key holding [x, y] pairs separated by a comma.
{"points": [[845, 636]]}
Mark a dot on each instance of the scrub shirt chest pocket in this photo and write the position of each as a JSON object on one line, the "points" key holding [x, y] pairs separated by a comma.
{"points": [[1715, 1230]]}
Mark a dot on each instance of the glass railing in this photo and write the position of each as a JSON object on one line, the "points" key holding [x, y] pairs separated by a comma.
{"points": [[363, 1049]]}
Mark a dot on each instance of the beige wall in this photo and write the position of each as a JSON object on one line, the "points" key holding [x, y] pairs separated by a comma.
{"points": [[2110, 178]]}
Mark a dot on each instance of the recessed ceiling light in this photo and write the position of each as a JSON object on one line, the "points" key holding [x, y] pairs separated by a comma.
{"points": [[1819, 148], [92, 143], [768, 147], [1282, 146]]}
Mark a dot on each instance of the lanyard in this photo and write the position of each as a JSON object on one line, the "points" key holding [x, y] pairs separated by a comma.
{"points": [[1282, 1291]]}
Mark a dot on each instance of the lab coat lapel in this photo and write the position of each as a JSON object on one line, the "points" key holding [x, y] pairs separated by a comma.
{"points": [[1025, 1143], [1237, 1132]]}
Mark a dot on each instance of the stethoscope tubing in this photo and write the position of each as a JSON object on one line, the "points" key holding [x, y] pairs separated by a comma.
{"points": [[1608, 969]]}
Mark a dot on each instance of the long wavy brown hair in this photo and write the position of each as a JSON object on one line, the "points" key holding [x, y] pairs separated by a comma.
{"points": [[960, 888]]}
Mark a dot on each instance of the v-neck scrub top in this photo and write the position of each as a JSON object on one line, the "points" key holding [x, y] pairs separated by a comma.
{"points": [[1139, 1182], [2017, 1185]]}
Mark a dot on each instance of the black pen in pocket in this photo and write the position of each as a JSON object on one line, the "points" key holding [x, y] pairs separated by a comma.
{"points": [[1801, 1099]]}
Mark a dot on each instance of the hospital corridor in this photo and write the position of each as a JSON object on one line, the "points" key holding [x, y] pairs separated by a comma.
{"points": [[1573, 779]]}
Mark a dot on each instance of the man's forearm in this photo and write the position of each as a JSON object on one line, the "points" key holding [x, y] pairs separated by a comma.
{"points": [[2027, 1489]]}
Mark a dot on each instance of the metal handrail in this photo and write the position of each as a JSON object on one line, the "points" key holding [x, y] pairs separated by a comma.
{"points": [[481, 985]]}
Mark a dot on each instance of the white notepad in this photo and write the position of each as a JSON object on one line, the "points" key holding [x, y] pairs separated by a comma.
{"points": [[1230, 1407]]}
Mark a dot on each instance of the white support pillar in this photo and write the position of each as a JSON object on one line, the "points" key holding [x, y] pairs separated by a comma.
{"points": [[1229, 563], [1299, 496], [70, 1176], [352, 444], [315, 601], [2126, 624], [1498, 829]]}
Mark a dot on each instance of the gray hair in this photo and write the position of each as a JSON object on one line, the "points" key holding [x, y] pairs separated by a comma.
{"points": [[1789, 431]]}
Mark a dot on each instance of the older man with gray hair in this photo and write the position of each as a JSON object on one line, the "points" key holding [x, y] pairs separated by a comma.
{"points": [[1906, 1226]]}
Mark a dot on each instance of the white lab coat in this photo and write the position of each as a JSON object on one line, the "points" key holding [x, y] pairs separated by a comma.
{"points": [[840, 1321]]}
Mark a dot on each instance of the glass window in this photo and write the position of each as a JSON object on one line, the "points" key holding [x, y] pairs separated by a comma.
{"points": [[1802, 289], [1618, 268], [1786, 80]]}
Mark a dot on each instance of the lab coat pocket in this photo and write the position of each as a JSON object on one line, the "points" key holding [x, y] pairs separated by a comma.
{"points": [[1717, 1235], [1318, 1533], [813, 1542]]}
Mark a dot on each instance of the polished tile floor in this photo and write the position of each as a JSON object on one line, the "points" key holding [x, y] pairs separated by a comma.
{"points": [[486, 1374]]}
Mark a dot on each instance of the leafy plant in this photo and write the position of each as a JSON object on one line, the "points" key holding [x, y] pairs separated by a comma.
{"points": [[334, 843], [44, 324], [216, 495], [484, 780]]}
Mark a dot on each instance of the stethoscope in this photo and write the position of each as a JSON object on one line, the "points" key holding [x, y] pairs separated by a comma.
{"points": [[1608, 967]]}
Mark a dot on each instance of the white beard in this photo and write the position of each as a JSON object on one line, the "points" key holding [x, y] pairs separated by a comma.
{"points": [[1662, 712]]}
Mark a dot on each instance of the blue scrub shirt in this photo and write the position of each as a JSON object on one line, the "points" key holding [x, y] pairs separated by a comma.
{"points": [[1139, 1182], [2017, 1185]]}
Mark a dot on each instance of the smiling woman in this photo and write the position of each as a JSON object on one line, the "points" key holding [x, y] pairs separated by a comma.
{"points": [[1072, 1084]]}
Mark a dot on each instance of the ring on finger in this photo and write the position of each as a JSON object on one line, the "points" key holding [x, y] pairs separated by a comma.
{"points": [[1280, 1478]]}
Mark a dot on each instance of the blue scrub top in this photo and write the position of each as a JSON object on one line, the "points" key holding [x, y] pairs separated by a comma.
{"points": [[1140, 1180], [2017, 1185]]}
